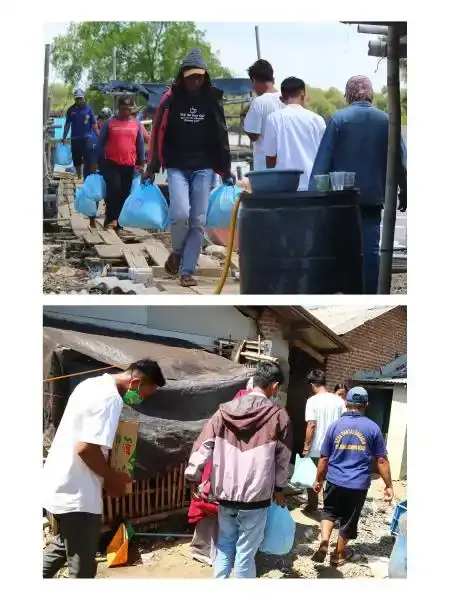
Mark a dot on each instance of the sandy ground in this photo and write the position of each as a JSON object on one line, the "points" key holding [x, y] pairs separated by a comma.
{"points": [[171, 560]]}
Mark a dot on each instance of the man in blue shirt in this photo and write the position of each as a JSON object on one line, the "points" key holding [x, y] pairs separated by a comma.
{"points": [[80, 119], [356, 141], [346, 456]]}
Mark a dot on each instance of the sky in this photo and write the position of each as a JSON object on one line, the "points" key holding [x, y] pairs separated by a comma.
{"points": [[322, 53]]}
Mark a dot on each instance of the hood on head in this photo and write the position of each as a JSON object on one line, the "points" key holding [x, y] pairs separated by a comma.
{"points": [[194, 60], [247, 413]]}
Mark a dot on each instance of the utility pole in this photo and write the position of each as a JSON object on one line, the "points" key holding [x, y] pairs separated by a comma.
{"points": [[258, 47], [390, 203]]}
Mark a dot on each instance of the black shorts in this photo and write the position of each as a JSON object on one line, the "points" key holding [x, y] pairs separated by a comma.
{"points": [[343, 505], [82, 153]]}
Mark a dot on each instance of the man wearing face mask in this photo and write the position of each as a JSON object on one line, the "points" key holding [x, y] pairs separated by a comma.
{"points": [[249, 441], [77, 466]]}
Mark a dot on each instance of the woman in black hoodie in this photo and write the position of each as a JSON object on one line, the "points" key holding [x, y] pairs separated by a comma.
{"points": [[189, 139]]}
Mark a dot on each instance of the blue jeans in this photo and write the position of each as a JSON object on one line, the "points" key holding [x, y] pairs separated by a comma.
{"points": [[189, 193], [371, 228], [240, 535]]}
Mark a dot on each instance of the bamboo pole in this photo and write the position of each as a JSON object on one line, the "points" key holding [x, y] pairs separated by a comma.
{"points": [[109, 509], [169, 489], [157, 494], [174, 487], [180, 486], [149, 508], [163, 485], [151, 518]]}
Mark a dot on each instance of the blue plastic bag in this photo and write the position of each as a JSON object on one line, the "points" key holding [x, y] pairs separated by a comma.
{"points": [[63, 155], [136, 183], [95, 187], [305, 472], [84, 205], [398, 562], [279, 533], [146, 208], [220, 206]]}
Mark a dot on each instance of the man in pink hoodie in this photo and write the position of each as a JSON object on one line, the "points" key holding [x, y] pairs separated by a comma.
{"points": [[249, 441]]}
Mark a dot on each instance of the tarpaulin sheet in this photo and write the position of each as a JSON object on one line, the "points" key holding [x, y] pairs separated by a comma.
{"points": [[154, 91], [170, 421]]}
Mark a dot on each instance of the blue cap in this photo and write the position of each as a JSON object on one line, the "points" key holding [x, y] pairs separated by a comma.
{"points": [[78, 93], [357, 395]]}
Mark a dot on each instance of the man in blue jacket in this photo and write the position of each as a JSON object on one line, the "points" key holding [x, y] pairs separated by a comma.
{"points": [[80, 119], [356, 141]]}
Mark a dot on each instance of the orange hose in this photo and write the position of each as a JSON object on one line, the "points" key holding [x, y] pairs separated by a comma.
{"points": [[81, 373]]}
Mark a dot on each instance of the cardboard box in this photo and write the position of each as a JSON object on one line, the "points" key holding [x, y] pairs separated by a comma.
{"points": [[123, 453]]}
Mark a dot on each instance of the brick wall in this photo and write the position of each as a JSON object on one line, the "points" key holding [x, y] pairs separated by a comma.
{"points": [[375, 344], [270, 324]]}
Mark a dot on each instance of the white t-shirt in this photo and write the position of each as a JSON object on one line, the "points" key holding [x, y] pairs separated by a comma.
{"points": [[255, 122], [293, 135], [92, 415], [324, 408]]}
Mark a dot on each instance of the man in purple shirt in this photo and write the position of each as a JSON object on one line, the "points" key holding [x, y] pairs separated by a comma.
{"points": [[80, 119], [346, 456]]}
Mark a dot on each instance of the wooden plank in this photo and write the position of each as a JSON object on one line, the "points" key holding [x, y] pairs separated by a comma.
{"points": [[157, 251], [238, 347], [135, 258], [80, 227], [116, 251], [109, 236], [206, 262], [160, 272]]}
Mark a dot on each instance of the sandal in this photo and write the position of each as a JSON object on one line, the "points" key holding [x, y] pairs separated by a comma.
{"points": [[188, 281], [320, 555], [172, 264], [341, 561], [110, 225]]}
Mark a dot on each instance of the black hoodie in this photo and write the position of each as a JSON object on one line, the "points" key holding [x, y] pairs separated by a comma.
{"points": [[190, 131]]}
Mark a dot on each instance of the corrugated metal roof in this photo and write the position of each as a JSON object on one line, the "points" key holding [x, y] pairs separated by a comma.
{"points": [[394, 372], [342, 319], [382, 381]]}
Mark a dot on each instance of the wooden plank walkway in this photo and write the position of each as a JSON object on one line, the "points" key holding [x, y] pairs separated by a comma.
{"points": [[137, 248]]}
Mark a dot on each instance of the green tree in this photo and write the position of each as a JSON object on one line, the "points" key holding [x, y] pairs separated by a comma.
{"points": [[60, 96], [146, 51]]}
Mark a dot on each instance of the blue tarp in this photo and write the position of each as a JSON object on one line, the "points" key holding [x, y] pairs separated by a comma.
{"points": [[154, 91], [59, 130]]}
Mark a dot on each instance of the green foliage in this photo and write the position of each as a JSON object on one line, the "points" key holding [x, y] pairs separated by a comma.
{"points": [[60, 96], [146, 51]]}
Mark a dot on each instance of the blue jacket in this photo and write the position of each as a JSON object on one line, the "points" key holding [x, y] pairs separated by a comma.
{"points": [[356, 140]]}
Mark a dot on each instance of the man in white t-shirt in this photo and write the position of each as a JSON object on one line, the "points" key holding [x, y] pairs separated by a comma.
{"points": [[76, 468], [293, 134], [322, 409], [267, 101]]}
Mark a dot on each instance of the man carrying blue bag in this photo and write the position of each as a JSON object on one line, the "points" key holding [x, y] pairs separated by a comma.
{"points": [[190, 139], [81, 122], [350, 444], [249, 441]]}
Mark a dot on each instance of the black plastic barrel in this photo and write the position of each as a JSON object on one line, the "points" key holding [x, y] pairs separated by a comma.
{"points": [[301, 243]]}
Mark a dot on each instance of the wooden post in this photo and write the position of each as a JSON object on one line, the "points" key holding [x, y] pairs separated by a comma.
{"points": [[393, 158], [46, 105], [46, 74]]}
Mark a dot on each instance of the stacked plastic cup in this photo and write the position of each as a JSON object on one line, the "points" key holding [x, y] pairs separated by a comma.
{"points": [[337, 180]]}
